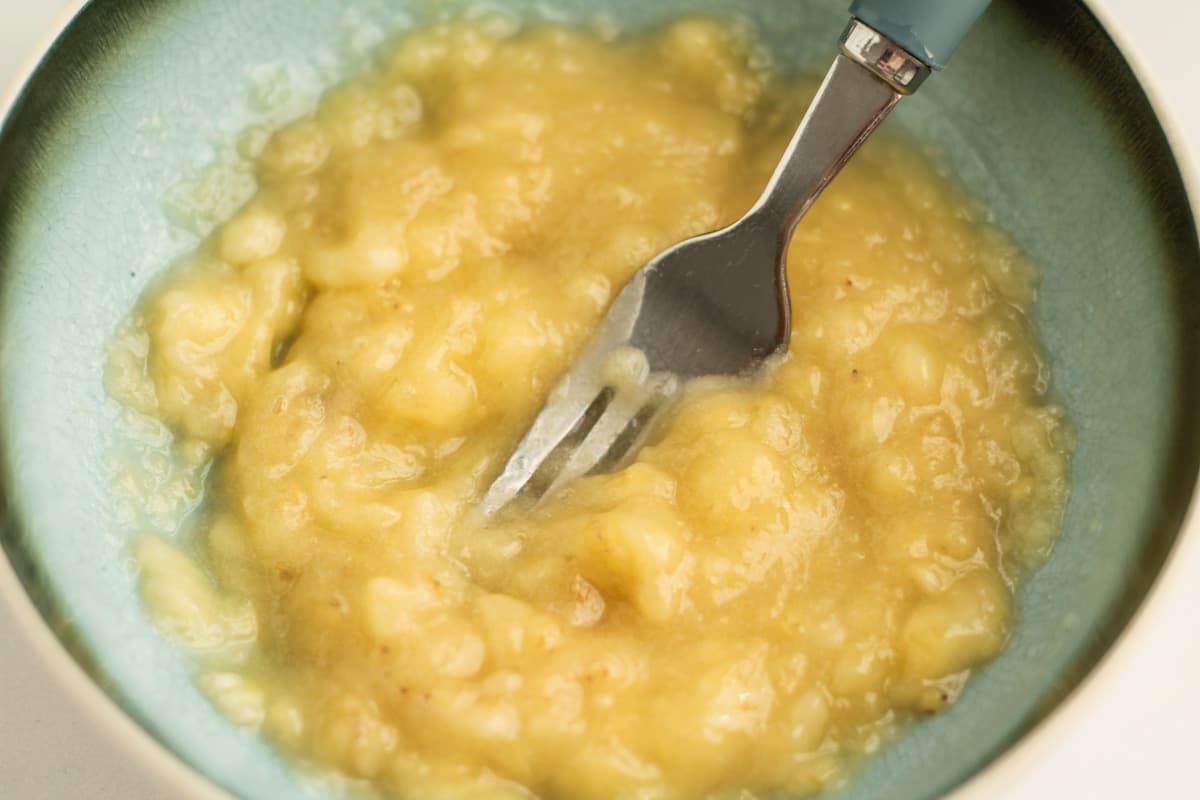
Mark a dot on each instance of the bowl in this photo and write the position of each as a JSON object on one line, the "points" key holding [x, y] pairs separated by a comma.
{"points": [[1040, 115]]}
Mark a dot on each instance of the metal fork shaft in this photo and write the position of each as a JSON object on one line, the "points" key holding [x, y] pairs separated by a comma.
{"points": [[848, 107], [714, 304]]}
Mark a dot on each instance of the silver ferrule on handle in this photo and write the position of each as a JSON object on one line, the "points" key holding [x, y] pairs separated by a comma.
{"points": [[890, 62]]}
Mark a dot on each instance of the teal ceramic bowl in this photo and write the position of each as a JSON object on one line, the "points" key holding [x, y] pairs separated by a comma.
{"points": [[1039, 114]]}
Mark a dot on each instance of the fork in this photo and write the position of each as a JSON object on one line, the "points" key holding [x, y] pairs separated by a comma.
{"points": [[717, 304]]}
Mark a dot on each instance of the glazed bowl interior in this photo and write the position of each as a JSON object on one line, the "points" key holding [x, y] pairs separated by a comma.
{"points": [[1039, 116]]}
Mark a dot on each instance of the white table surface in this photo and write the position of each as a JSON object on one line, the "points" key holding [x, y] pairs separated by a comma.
{"points": [[1133, 733]]}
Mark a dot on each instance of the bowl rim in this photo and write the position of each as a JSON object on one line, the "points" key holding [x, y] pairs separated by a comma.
{"points": [[1116, 662], [98, 708], [106, 715]]}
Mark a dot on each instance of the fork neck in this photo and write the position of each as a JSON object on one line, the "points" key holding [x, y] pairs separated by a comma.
{"points": [[864, 84]]}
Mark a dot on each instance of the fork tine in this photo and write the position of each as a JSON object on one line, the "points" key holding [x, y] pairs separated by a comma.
{"points": [[568, 402], [567, 406], [624, 423]]}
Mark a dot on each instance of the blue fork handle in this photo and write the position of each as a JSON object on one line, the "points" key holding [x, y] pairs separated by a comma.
{"points": [[931, 30]]}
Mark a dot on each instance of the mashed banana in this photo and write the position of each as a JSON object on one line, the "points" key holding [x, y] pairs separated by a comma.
{"points": [[791, 572]]}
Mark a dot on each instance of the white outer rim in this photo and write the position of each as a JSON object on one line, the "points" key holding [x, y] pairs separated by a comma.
{"points": [[990, 781]]}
